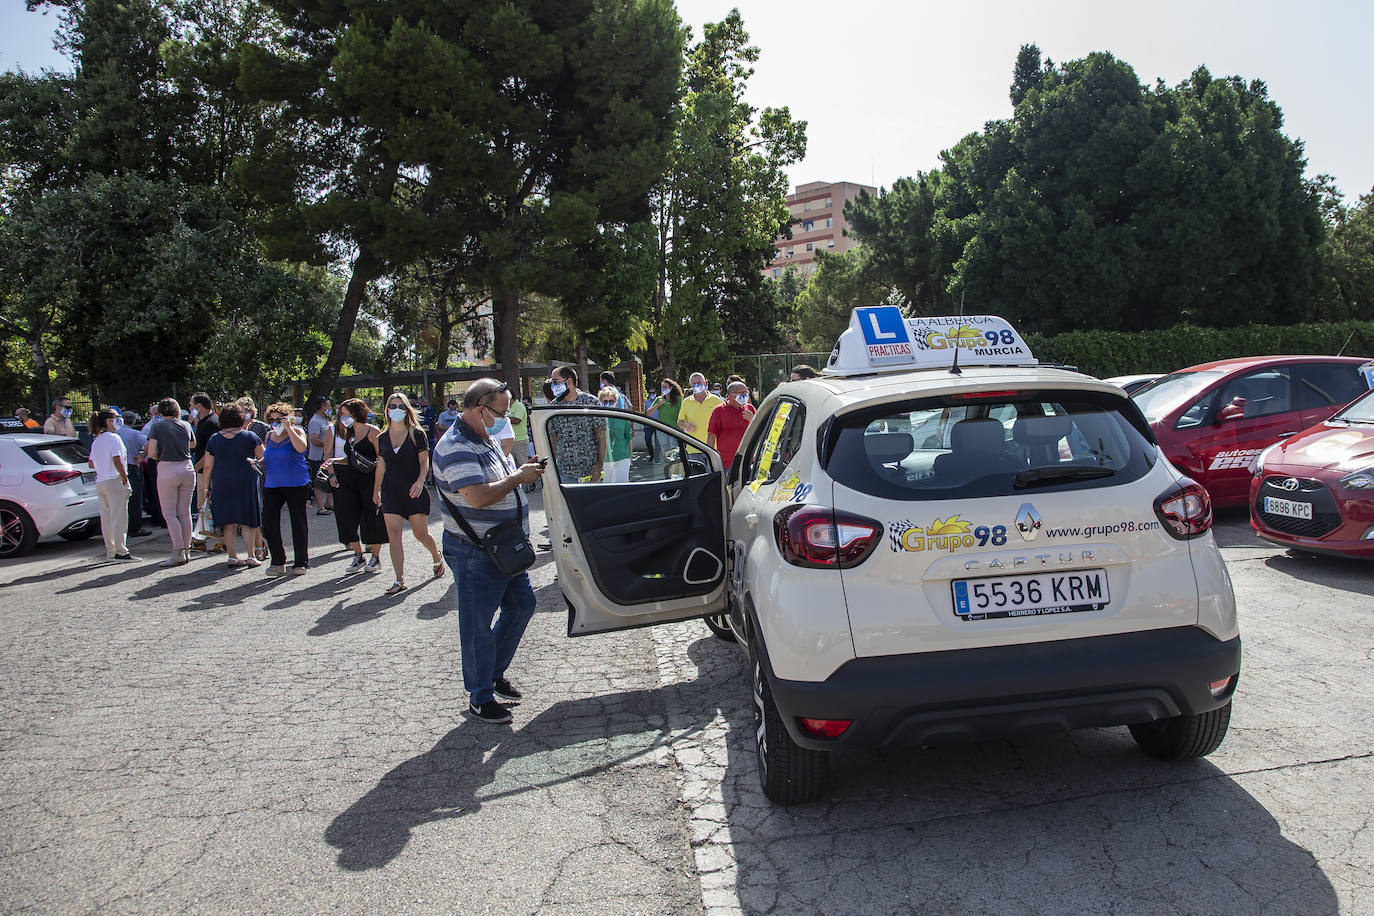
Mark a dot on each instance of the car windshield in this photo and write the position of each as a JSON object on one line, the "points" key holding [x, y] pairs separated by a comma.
{"points": [[58, 453], [1361, 411], [942, 448], [1161, 398]]}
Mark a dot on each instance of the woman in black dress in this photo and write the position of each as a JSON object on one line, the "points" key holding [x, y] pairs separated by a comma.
{"points": [[402, 467], [355, 514]]}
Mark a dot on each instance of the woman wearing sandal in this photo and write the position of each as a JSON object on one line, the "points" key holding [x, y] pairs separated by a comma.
{"points": [[353, 477], [232, 479], [402, 466], [286, 482]]}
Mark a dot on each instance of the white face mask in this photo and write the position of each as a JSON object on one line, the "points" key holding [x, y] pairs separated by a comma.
{"points": [[397, 414], [742, 398], [558, 389], [194, 413], [667, 390], [277, 427], [347, 422], [698, 389]]}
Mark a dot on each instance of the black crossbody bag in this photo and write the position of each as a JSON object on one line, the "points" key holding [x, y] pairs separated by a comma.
{"points": [[505, 544]]}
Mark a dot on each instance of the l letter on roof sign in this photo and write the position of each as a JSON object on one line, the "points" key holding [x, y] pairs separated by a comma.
{"points": [[885, 334]]}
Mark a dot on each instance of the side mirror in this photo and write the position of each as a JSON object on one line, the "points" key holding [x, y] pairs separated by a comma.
{"points": [[1233, 411]]}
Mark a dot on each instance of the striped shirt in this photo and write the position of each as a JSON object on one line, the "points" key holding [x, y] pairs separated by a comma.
{"points": [[463, 458]]}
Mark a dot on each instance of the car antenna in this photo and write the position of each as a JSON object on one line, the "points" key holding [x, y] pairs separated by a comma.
{"points": [[1346, 344], [954, 369]]}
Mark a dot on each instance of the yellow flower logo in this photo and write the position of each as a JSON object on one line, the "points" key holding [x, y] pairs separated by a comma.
{"points": [[951, 525]]}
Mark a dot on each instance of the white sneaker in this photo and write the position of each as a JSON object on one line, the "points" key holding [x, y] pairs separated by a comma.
{"points": [[374, 564], [357, 563]]}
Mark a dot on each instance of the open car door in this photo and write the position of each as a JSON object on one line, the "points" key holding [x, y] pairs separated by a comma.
{"points": [[646, 546]]}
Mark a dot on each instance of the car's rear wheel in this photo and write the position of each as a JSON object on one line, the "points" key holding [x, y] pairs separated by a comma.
{"points": [[788, 772], [18, 533], [1183, 737], [719, 625]]}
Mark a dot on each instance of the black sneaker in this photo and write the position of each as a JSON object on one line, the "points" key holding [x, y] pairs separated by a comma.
{"points": [[490, 711], [125, 556], [506, 691]]}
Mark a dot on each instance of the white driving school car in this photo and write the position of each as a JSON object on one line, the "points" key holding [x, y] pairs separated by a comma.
{"points": [[937, 540]]}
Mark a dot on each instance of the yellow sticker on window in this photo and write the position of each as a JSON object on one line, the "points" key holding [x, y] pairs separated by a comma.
{"points": [[770, 445]]}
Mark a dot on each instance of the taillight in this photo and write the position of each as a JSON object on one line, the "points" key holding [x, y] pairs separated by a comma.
{"points": [[1186, 510], [821, 538], [54, 477], [826, 728]]}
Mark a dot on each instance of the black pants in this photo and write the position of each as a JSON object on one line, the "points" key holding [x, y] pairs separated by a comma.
{"points": [[135, 497], [293, 498], [151, 504], [358, 518]]}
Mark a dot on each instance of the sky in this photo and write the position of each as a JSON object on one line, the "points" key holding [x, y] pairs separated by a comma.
{"points": [[885, 85]]}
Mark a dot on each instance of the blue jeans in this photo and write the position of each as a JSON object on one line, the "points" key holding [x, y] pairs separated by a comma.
{"points": [[482, 589]]}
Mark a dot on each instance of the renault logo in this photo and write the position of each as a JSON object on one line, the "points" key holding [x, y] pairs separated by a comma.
{"points": [[1028, 522], [1288, 483]]}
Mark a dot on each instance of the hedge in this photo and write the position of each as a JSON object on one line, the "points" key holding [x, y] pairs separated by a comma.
{"points": [[1109, 353]]}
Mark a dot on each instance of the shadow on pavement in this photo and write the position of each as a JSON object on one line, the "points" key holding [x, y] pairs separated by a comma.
{"points": [[1060, 823], [1345, 573]]}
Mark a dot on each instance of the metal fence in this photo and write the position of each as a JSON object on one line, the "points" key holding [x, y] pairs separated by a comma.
{"points": [[763, 372]]}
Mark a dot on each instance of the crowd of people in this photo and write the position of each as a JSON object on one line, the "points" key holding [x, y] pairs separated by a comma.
{"points": [[217, 471]]}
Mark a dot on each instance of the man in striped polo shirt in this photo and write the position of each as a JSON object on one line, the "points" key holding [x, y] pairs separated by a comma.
{"points": [[481, 482]]}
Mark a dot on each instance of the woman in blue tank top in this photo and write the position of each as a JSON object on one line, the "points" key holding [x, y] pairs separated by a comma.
{"points": [[287, 483]]}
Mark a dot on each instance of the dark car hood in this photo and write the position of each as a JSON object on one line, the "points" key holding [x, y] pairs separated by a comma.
{"points": [[1327, 446]]}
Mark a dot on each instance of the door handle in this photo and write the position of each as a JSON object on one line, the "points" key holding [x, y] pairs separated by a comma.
{"points": [[1291, 432], [668, 496]]}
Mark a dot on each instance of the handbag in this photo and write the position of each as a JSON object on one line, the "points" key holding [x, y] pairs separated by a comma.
{"points": [[322, 479], [358, 462], [505, 544]]}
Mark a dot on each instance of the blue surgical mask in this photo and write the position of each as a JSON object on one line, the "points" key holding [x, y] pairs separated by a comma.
{"points": [[119, 422], [698, 389], [347, 422], [742, 398], [667, 390], [397, 414], [558, 389]]}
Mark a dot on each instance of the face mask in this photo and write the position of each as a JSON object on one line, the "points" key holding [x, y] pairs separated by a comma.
{"points": [[397, 414], [119, 422], [716, 392], [698, 389], [558, 389], [742, 398], [276, 427], [347, 422], [67, 412], [194, 413], [667, 390], [329, 412]]}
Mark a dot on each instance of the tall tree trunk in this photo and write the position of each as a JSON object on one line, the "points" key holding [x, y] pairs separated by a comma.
{"points": [[505, 305], [365, 269], [582, 373]]}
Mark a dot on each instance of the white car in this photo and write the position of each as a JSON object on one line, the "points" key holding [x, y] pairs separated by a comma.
{"points": [[915, 551], [1133, 383], [46, 488]]}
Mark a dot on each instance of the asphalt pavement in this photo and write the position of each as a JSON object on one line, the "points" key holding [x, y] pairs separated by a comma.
{"points": [[206, 740]]}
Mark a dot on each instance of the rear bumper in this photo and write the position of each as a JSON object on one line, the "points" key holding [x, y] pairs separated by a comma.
{"points": [[1006, 691]]}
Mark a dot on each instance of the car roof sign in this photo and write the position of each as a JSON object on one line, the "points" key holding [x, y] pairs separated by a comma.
{"points": [[880, 339]]}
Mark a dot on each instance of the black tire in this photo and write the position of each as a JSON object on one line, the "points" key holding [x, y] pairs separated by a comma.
{"points": [[18, 533], [1183, 737], [789, 773], [719, 625]]}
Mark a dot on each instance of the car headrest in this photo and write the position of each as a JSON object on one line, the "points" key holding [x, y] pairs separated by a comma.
{"points": [[1040, 430], [885, 448], [984, 435]]}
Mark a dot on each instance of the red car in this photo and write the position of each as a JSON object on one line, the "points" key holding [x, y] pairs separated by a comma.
{"points": [[1213, 420], [1315, 491]]}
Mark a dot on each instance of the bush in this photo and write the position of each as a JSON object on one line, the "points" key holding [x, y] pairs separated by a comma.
{"points": [[1109, 353]]}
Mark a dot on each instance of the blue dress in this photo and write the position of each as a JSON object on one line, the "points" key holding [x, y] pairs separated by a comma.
{"points": [[233, 481]]}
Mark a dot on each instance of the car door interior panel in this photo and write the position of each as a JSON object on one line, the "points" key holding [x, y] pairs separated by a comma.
{"points": [[651, 541]]}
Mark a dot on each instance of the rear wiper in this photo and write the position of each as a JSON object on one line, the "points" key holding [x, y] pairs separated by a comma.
{"points": [[1035, 477]]}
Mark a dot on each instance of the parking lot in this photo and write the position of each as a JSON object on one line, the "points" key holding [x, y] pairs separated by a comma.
{"points": [[202, 740]]}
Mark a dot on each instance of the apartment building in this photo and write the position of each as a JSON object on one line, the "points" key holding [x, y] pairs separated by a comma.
{"points": [[818, 224]]}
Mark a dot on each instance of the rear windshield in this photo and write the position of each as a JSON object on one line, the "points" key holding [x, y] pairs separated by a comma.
{"points": [[58, 453], [1161, 397], [1019, 443]]}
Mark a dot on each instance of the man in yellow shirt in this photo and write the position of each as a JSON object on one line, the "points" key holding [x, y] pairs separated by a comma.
{"points": [[695, 414]]}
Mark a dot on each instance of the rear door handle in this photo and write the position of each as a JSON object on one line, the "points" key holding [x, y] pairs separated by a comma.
{"points": [[668, 496]]}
